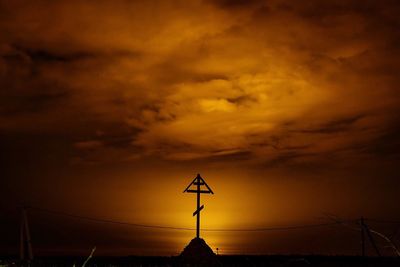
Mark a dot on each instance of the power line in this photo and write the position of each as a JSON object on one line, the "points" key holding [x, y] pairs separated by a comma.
{"points": [[109, 221], [382, 221], [274, 228], [184, 228]]}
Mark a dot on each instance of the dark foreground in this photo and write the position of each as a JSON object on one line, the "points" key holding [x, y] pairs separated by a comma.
{"points": [[272, 261]]}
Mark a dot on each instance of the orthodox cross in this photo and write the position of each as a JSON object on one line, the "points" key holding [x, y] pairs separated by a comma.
{"points": [[197, 183]]}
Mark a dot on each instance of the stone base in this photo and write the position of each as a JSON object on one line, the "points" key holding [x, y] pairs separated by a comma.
{"points": [[199, 253]]}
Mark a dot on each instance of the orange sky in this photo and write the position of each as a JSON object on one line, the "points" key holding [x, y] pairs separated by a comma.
{"points": [[288, 109]]}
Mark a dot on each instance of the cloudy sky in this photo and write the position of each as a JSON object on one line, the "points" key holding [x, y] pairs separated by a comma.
{"points": [[288, 109]]}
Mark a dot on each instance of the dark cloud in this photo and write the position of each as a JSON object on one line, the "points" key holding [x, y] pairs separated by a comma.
{"points": [[286, 158], [32, 104], [384, 146], [38, 55], [131, 86], [228, 4], [334, 126]]}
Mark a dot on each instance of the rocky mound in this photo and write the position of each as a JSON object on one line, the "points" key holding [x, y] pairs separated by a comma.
{"points": [[198, 252]]}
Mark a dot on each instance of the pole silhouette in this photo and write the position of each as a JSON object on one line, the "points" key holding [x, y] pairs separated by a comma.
{"points": [[25, 237], [362, 236]]}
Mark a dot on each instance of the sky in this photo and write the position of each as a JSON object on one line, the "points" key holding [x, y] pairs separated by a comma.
{"points": [[288, 109]]}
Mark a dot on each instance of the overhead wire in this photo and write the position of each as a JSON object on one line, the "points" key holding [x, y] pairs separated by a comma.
{"points": [[381, 221], [263, 229], [107, 220]]}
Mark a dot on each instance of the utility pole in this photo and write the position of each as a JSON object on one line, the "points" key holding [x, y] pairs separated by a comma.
{"points": [[364, 227], [362, 236], [25, 237], [197, 183]]}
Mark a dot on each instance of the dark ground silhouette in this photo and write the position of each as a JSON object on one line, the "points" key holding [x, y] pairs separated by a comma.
{"points": [[221, 260]]}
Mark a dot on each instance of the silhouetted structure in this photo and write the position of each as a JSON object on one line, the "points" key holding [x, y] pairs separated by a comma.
{"points": [[198, 182], [365, 229], [197, 251], [25, 238]]}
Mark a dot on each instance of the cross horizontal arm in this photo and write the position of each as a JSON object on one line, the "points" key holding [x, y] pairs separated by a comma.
{"points": [[200, 191]]}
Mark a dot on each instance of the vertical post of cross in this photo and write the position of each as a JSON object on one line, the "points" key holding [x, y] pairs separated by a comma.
{"points": [[198, 207], [195, 187]]}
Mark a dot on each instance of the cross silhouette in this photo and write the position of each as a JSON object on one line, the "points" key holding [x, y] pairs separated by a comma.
{"points": [[198, 182]]}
